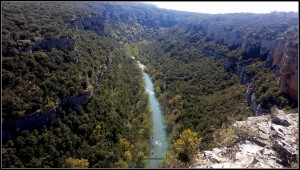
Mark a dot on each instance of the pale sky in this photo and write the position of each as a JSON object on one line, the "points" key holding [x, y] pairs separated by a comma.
{"points": [[229, 7]]}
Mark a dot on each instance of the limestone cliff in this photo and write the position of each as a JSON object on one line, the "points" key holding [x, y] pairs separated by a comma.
{"points": [[77, 100], [224, 35], [59, 43], [263, 43], [274, 146], [255, 107], [275, 52], [286, 59], [38, 119], [93, 23], [28, 122], [279, 55]]}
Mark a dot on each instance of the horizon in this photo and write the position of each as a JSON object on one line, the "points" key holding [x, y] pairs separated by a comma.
{"points": [[227, 7]]}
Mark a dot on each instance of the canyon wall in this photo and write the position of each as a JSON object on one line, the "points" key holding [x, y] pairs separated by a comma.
{"points": [[276, 52]]}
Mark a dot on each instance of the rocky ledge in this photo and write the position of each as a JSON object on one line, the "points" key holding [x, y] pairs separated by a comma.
{"points": [[275, 144]]}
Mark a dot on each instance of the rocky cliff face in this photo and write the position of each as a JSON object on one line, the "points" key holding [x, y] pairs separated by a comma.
{"points": [[255, 107], [27, 122], [274, 51], [76, 101], [223, 35], [55, 43], [39, 119], [286, 60], [144, 14], [275, 146], [255, 47], [283, 58], [277, 54], [93, 23]]}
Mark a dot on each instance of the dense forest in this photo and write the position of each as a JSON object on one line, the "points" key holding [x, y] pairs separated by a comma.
{"points": [[111, 130], [71, 61]]}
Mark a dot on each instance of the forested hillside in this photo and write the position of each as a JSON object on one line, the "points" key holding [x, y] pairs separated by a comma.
{"points": [[203, 74], [41, 74], [72, 96]]}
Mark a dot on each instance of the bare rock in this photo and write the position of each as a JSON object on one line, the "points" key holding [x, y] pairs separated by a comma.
{"points": [[275, 145], [279, 121]]}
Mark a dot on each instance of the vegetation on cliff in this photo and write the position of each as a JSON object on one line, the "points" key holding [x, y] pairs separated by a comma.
{"points": [[89, 136], [201, 66]]}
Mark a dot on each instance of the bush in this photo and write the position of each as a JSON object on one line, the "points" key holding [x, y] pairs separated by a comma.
{"points": [[76, 163], [187, 146], [224, 137], [244, 132]]}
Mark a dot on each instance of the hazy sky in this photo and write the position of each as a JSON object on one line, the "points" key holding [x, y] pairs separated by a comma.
{"points": [[229, 7]]}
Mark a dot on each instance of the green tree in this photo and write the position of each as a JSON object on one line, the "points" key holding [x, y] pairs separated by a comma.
{"points": [[121, 164], [128, 156], [97, 130], [124, 144]]}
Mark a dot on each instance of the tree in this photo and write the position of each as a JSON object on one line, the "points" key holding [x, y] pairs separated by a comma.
{"points": [[187, 145], [35, 163], [76, 163], [97, 130], [128, 156], [121, 164], [123, 144]]}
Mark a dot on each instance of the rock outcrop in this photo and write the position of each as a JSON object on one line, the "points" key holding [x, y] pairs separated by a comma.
{"points": [[286, 59], [38, 119], [59, 43], [28, 122], [278, 54], [275, 146], [253, 47], [275, 52], [145, 14], [76, 101], [224, 35], [93, 23], [255, 107]]}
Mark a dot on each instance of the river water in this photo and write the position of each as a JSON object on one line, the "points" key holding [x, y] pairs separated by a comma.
{"points": [[159, 139]]}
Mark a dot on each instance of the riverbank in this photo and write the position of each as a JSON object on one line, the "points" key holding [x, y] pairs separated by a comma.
{"points": [[159, 140]]}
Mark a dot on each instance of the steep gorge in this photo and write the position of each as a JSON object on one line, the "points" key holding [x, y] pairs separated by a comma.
{"points": [[190, 42]]}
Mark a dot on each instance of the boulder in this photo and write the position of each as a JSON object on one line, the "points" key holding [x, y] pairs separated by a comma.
{"points": [[275, 146], [279, 121]]}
